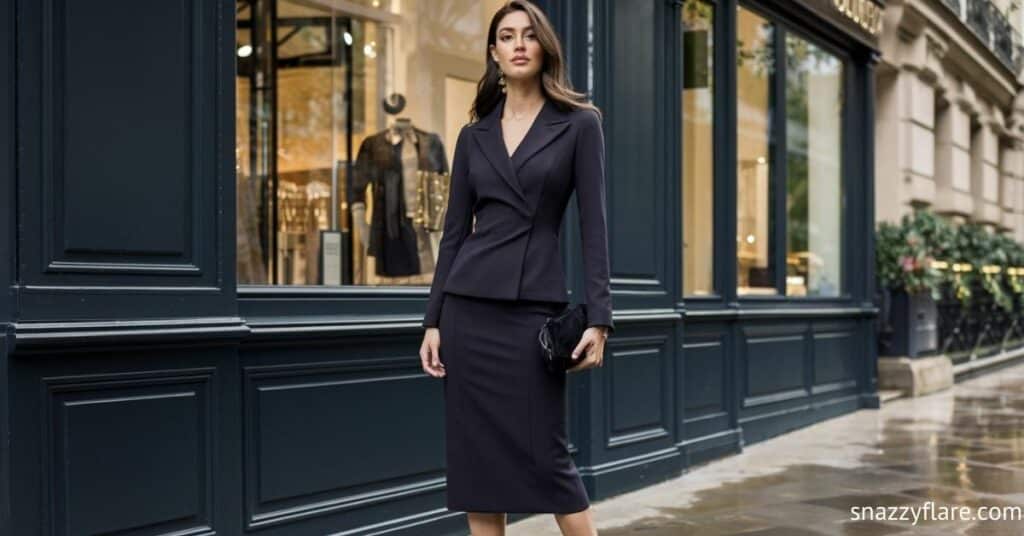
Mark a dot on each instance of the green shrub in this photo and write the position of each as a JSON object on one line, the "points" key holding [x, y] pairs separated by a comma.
{"points": [[910, 257]]}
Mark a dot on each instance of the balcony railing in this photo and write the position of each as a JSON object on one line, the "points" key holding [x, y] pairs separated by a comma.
{"points": [[993, 28]]}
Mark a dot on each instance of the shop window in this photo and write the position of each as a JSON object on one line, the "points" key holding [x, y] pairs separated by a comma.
{"points": [[755, 101], [697, 143], [347, 115], [789, 125], [814, 96]]}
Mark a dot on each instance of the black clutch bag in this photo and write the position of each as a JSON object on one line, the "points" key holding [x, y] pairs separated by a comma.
{"points": [[560, 334]]}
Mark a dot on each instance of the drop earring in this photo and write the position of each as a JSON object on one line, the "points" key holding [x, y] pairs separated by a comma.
{"points": [[501, 80]]}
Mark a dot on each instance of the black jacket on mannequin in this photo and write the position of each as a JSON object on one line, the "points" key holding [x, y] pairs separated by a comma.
{"points": [[519, 202], [379, 162]]}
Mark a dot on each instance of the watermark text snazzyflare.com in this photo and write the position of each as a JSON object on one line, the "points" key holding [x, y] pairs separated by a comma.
{"points": [[930, 511]]}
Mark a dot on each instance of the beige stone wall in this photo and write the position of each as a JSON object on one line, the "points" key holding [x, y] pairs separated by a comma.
{"points": [[948, 120]]}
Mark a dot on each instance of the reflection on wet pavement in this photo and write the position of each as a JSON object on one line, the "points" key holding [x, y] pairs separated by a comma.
{"points": [[961, 447]]}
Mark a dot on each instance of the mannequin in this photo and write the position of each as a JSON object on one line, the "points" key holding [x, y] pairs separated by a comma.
{"points": [[407, 168]]}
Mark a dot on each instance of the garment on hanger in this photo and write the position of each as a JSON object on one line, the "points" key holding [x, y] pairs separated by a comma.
{"points": [[406, 135], [390, 161]]}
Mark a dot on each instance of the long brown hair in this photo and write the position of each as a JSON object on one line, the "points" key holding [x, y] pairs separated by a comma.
{"points": [[554, 83]]}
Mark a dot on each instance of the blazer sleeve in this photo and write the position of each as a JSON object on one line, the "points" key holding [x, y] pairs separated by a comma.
{"points": [[589, 181], [458, 222]]}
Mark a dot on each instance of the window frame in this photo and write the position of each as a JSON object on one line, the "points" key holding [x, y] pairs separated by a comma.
{"points": [[784, 24]]}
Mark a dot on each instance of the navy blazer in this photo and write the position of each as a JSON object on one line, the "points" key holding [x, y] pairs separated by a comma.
{"points": [[512, 251]]}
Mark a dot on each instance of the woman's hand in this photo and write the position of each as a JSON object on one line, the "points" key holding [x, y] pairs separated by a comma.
{"points": [[430, 356], [592, 342]]}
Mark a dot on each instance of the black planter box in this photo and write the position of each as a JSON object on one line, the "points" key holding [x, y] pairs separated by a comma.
{"points": [[912, 327]]}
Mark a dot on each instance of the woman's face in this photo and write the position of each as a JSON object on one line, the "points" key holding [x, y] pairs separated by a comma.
{"points": [[516, 48]]}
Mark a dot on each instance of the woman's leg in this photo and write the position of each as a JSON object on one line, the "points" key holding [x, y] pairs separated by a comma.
{"points": [[486, 524], [576, 524]]}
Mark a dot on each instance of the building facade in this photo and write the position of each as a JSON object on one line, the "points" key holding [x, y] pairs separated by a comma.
{"points": [[948, 123], [202, 335], [949, 113]]}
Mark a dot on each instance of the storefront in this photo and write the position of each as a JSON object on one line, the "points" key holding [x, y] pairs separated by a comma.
{"points": [[215, 294]]}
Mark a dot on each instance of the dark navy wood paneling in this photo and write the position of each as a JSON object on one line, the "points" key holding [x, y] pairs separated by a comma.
{"points": [[706, 382], [632, 79], [638, 391], [111, 442], [704, 375], [866, 201], [131, 450], [820, 378], [121, 197], [706, 419], [725, 151], [625, 66], [6, 480], [630, 412], [8, 259], [343, 435], [834, 354], [775, 358], [126, 170], [326, 436]]}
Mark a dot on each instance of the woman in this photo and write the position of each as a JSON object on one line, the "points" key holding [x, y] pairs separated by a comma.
{"points": [[499, 275]]}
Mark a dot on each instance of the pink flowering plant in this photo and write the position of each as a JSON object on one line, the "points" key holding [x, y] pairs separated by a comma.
{"points": [[904, 260]]}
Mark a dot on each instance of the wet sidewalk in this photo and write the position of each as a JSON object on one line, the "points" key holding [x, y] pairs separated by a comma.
{"points": [[960, 447]]}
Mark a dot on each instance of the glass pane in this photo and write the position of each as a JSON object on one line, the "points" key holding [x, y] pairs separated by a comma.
{"points": [[698, 158], [305, 68], [321, 148], [754, 102], [814, 98]]}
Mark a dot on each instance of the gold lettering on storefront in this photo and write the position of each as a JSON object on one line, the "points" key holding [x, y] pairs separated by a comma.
{"points": [[863, 13]]}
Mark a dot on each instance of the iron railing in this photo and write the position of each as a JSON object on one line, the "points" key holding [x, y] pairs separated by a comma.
{"points": [[993, 28], [980, 329]]}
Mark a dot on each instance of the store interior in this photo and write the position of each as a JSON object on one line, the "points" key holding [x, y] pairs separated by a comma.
{"points": [[347, 114]]}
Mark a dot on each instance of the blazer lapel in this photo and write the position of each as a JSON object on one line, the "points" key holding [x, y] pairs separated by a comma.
{"points": [[549, 123], [493, 147]]}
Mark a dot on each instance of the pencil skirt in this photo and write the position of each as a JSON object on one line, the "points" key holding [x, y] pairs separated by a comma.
{"points": [[505, 424]]}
